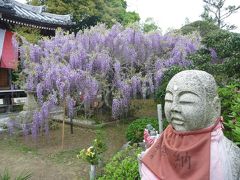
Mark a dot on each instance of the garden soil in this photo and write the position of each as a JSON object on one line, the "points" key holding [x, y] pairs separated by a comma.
{"points": [[45, 158]]}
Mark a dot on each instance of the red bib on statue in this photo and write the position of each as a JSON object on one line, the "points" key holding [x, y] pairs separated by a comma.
{"points": [[180, 155]]}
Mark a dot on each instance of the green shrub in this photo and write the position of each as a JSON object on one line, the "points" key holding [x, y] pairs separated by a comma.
{"points": [[23, 176], [230, 103], [136, 128], [124, 165]]}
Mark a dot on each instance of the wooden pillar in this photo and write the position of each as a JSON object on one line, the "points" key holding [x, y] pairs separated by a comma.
{"points": [[4, 78]]}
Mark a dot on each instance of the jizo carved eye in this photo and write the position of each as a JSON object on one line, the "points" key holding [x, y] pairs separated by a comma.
{"points": [[188, 98], [186, 102], [168, 97]]}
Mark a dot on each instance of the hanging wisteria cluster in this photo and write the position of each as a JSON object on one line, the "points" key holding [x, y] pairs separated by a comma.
{"points": [[114, 64]]}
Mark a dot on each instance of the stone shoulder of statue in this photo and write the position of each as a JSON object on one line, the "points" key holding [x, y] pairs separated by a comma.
{"points": [[192, 106], [234, 156]]}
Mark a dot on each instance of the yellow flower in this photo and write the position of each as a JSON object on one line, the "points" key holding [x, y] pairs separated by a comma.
{"points": [[88, 153], [90, 149]]}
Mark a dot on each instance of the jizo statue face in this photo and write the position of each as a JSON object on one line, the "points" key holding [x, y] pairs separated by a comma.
{"points": [[187, 103]]}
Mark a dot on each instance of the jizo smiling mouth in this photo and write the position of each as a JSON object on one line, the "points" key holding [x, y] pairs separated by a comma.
{"points": [[176, 120]]}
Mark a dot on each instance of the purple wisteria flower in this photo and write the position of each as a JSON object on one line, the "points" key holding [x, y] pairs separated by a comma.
{"points": [[213, 54], [117, 63]]}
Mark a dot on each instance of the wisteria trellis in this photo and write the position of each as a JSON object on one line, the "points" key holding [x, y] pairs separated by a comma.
{"points": [[116, 64]]}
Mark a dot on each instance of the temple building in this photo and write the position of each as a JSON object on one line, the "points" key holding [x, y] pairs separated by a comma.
{"points": [[14, 13]]}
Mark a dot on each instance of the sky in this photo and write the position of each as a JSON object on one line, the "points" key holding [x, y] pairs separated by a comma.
{"points": [[171, 14]]}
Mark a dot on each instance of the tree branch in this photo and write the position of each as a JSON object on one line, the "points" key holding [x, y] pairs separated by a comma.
{"points": [[227, 14], [212, 11]]}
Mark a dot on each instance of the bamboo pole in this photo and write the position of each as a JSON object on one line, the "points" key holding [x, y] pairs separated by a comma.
{"points": [[160, 121], [63, 123]]}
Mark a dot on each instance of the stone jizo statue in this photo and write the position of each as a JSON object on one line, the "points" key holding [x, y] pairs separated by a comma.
{"points": [[193, 146], [150, 134], [151, 130]]}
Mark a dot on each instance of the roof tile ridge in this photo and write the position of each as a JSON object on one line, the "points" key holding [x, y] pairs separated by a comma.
{"points": [[35, 9], [66, 17]]}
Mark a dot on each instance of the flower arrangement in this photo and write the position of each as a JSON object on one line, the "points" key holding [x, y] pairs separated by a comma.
{"points": [[93, 154], [90, 155]]}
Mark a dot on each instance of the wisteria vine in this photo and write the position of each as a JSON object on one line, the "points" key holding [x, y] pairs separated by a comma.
{"points": [[114, 64]]}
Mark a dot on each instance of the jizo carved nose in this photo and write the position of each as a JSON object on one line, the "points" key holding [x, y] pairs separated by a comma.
{"points": [[175, 107]]}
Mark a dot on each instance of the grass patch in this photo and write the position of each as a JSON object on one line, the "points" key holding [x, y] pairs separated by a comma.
{"points": [[144, 108], [12, 143], [67, 156]]}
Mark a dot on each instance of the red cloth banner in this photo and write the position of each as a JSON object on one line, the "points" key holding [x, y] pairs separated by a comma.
{"points": [[9, 59]]}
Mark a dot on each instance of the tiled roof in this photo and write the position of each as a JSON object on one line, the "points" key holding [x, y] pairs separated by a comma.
{"points": [[34, 13]]}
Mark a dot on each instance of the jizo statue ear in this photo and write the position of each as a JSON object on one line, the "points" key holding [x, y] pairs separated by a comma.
{"points": [[217, 105]]}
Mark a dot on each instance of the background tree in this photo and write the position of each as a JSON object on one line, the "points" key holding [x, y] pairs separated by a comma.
{"points": [[34, 2], [150, 25], [219, 54], [32, 35], [216, 11], [89, 13], [203, 27]]}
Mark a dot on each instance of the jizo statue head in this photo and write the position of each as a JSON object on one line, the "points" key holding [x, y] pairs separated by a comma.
{"points": [[191, 100]]}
